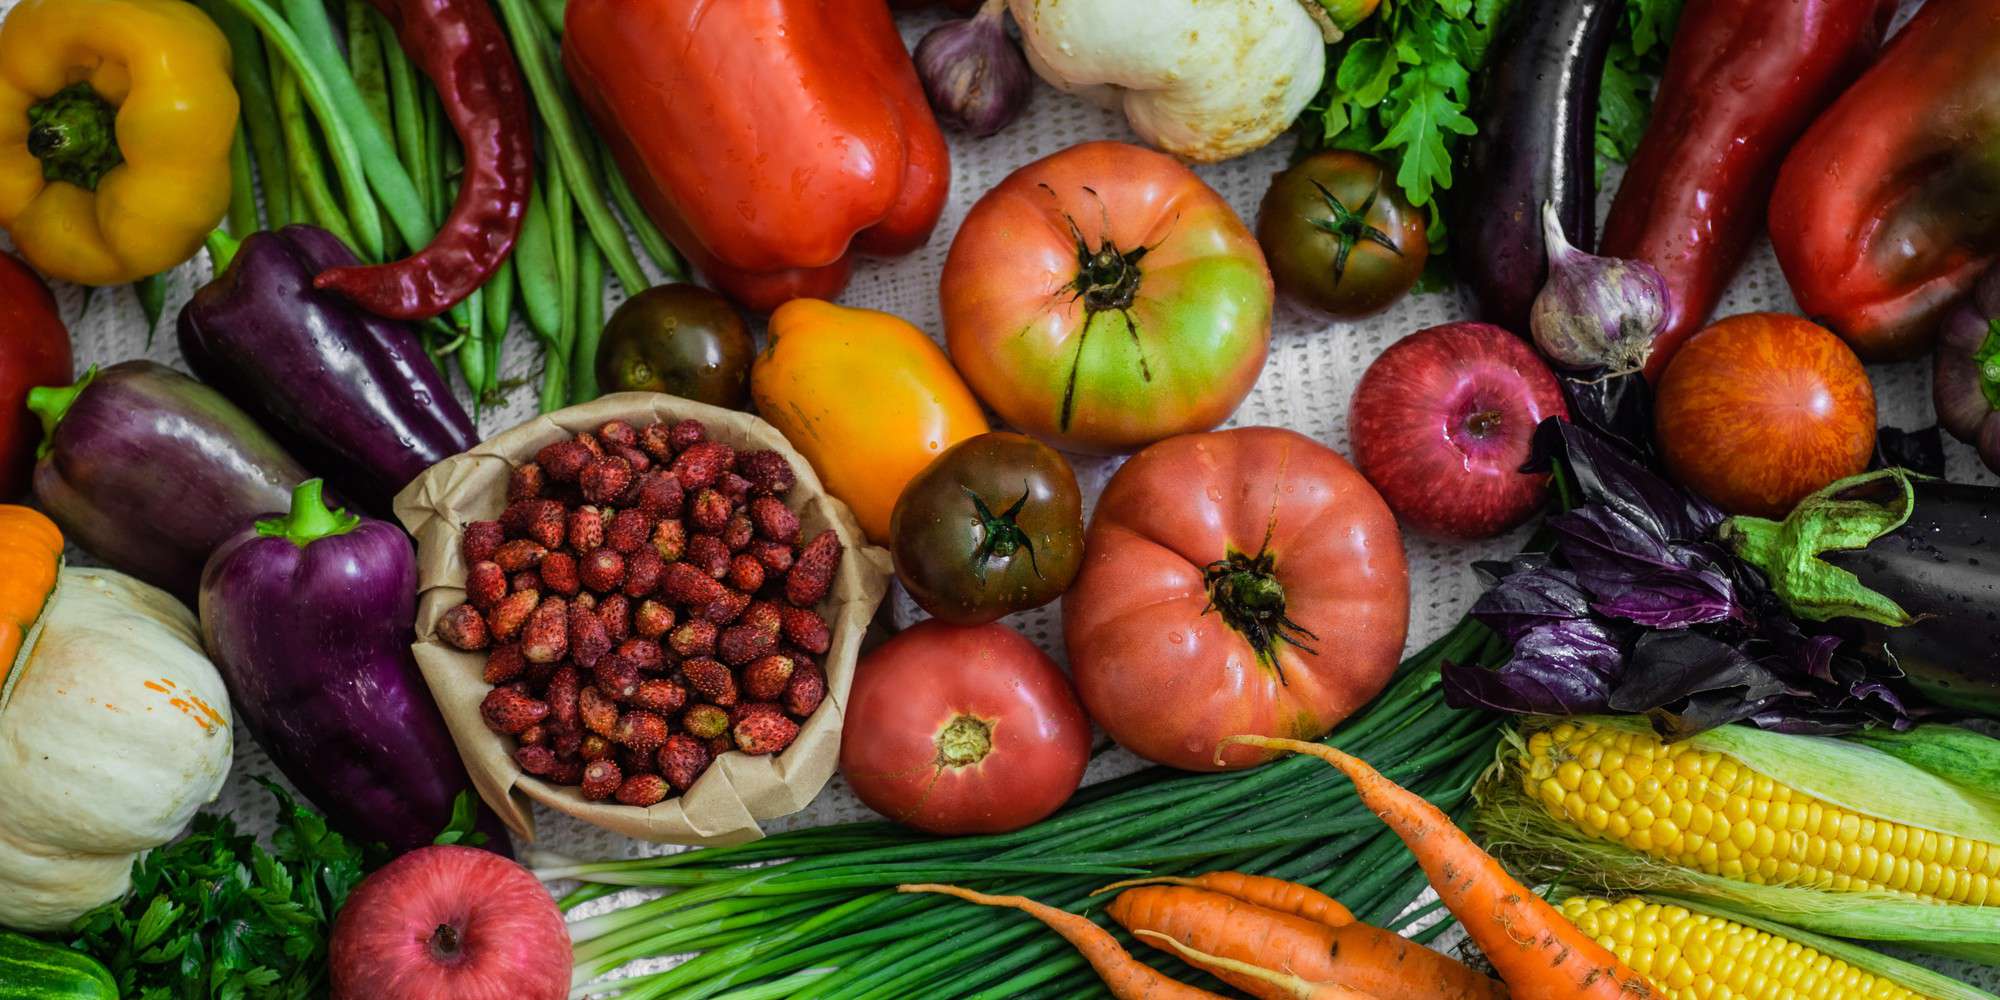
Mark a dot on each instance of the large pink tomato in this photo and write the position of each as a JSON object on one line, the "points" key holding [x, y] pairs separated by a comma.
{"points": [[1239, 581]]}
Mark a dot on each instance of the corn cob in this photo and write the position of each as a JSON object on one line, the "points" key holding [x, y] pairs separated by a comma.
{"points": [[1705, 810], [1694, 956]]}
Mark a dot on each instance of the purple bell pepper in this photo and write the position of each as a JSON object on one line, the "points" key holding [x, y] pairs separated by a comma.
{"points": [[309, 616], [351, 393]]}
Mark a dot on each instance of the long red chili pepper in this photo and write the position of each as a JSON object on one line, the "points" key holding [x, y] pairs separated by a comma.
{"points": [[1743, 80], [459, 45]]}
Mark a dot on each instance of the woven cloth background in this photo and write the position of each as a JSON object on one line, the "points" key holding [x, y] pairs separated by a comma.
{"points": [[1313, 367]]}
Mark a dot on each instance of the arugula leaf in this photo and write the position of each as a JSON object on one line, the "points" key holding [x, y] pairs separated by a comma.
{"points": [[464, 819], [1637, 57]]}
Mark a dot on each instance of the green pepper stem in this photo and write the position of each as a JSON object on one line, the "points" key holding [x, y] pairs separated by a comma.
{"points": [[310, 518], [51, 403], [222, 247], [74, 132]]}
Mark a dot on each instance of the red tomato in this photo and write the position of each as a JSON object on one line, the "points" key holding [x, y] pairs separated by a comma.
{"points": [[34, 350], [962, 729], [1240, 581], [1759, 410]]}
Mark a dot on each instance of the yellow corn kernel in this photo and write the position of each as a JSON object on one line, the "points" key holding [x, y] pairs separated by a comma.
{"points": [[1693, 956], [1705, 810]]}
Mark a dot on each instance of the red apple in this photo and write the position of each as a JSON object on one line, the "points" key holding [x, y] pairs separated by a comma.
{"points": [[451, 922], [1442, 423]]}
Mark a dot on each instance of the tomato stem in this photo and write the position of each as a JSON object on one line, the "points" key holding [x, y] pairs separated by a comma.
{"points": [[1000, 534], [1246, 592], [964, 741]]}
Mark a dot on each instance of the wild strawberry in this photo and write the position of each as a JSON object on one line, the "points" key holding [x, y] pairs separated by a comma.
{"points": [[811, 576], [767, 473], [617, 433], [533, 736], [645, 654], [590, 443], [659, 494], [569, 771], [519, 554], [804, 628], [655, 440], [682, 759], [605, 480], [638, 460], [504, 664], [642, 731], [542, 520], [525, 580], [670, 540], [726, 608], [709, 511], [766, 677], [538, 761], [806, 689], [740, 643], [508, 711], [689, 587], [485, 584], [773, 520], [642, 790], [584, 599], [776, 556], [601, 779], [588, 638], [686, 434], [629, 531], [634, 763], [564, 695], [651, 619], [525, 482], [602, 570], [738, 534], [659, 695], [564, 740], [762, 728], [699, 466], [480, 540], [746, 574], [734, 487], [711, 680], [546, 638], [615, 611], [763, 615], [463, 627], [598, 713], [720, 745], [563, 461], [536, 675], [705, 721], [509, 616], [594, 747], [586, 529], [708, 554], [643, 572], [617, 677], [560, 574], [693, 638]]}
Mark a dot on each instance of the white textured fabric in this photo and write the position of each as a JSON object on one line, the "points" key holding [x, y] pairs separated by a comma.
{"points": [[1313, 367]]}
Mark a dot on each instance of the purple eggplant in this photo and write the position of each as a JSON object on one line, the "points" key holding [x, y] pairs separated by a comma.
{"points": [[150, 470], [309, 615], [352, 393], [1965, 378]]}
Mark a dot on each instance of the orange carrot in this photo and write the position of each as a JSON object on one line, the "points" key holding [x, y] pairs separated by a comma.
{"points": [[1261, 890], [1539, 954], [1126, 977], [1357, 956], [1281, 985]]}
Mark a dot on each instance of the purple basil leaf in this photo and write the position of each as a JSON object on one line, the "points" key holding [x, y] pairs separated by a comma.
{"points": [[1562, 668], [1523, 601], [1636, 575], [1601, 473], [1689, 682]]}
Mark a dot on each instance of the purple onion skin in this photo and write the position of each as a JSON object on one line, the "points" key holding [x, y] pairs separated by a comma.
{"points": [[1963, 407], [314, 644], [974, 74], [150, 470]]}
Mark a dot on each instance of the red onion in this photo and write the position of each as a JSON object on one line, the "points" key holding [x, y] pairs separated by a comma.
{"points": [[974, 74]]}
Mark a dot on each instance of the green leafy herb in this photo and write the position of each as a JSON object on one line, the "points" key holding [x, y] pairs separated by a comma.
{"points": [[1638, 55], [215, 915], [464, 818]]}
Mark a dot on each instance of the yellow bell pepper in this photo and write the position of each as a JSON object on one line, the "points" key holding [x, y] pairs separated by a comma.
{"points": [[116, 118], [867, 398]]}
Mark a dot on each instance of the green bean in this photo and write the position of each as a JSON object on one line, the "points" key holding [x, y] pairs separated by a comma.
{"points": [[259, 108], [152, 292], [308, 178], [551, 14], [544, 82], [294, 208], [562, 237], [589, 324], [541, 302], [364, 62], [406, 111], [472, 353], [662, 253], [242, 187], [439, 192], [499, 316]]}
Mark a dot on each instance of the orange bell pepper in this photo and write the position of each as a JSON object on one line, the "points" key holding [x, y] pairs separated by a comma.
{"points": [[770, 140]]}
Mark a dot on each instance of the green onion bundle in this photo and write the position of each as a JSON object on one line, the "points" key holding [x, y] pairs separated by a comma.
{"points": [[817, 909]]}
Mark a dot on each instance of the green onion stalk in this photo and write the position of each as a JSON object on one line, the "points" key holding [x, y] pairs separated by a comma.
{"points": [[817, 909]]}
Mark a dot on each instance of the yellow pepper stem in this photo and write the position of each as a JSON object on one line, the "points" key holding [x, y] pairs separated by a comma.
{"points": [[74, 134]]}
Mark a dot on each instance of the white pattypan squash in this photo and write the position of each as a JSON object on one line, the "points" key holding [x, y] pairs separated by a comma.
{"points": [[116, 730], [1201, 79]]}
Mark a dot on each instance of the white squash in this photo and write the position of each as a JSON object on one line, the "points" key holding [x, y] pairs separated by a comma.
{"points": [[116, 731], [1201, 79]]}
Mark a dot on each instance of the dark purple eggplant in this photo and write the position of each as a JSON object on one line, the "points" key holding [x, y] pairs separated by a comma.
{"points": [[150, 470], [309, 615], [352, 393], [1537, 119], [1965, 377], [1917, 558]]}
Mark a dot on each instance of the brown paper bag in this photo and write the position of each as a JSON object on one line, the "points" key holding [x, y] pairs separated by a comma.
{"points": [[738, 790]]}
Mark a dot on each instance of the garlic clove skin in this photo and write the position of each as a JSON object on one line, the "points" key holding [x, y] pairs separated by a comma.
{"points": [[1596, 312], [974, 74]]}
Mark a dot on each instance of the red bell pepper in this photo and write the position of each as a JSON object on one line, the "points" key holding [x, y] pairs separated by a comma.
{"points": [[1888, 209], [34, 350], [1743, 79], [771, 140]]}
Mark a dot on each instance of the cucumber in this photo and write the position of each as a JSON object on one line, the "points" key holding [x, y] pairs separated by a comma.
{"points": [[36, 970]]}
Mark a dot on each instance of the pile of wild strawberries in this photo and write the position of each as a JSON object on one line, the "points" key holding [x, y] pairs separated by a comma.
{"points": [[648, 606]]}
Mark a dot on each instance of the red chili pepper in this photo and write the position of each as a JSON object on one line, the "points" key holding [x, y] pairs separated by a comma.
{"points": [[1743, 80], [459, 45]]}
